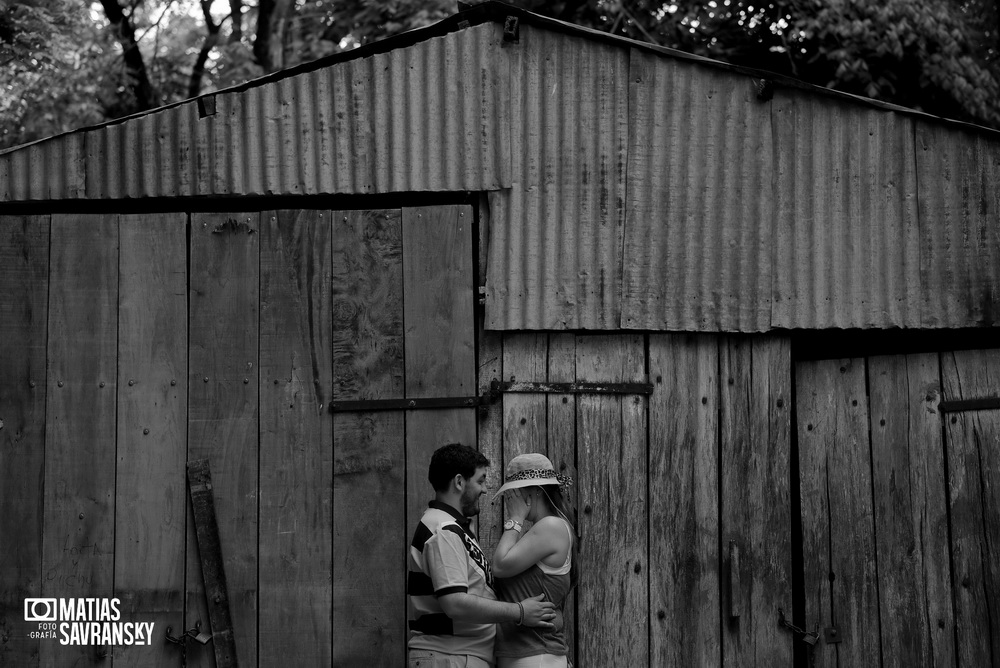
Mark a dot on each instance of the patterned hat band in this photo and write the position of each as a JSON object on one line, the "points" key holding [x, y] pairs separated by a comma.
{"points": [[539, 474]]}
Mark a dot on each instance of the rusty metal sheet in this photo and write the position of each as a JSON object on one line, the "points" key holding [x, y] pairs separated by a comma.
{"points": [[846, 248], [432, 116], [556, 234], [959, 199], [699, 228]]}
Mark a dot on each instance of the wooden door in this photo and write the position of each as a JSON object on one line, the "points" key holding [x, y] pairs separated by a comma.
{"points": [[403, 327], [900, 509]]}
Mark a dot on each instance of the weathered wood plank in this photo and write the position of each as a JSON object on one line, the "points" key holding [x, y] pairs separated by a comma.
{"points": [[152, 432], [561, 438], [439, 340], [24, 273], [974, 504], [683, 501], [755, 499], [79, 487], [368, 612], [223, 413], [296, 438], [489, 367], [911, 523], [613, 596], [524, 359], [837, 515]]}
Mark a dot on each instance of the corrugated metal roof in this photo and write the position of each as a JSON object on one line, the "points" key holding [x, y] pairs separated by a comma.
{"points": [[801, 211], [556, 235], [631, 187], [846, 252], [699, 228], [430, 117], [959, 199]]}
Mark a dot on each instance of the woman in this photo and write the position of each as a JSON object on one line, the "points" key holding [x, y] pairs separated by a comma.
{"points": [[539, 560]]}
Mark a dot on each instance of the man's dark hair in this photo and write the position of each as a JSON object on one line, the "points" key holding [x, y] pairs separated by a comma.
{"points": [[451, 460]]}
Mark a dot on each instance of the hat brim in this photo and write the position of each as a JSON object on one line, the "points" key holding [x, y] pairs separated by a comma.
{"points": [[527, 482]]}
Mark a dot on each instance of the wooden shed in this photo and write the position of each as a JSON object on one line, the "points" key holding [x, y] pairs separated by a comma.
{"points": [[755, 319]]}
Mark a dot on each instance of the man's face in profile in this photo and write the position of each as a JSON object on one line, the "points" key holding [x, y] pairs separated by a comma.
{"points": [[475, 488]]}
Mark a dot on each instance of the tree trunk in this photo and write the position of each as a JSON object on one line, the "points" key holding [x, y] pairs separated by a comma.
{"points": [[236, 16], [138, 78], [267, 45], [211, 39]]}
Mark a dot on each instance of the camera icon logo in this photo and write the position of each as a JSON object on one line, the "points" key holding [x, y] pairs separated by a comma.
{"points": [[40, 610]]}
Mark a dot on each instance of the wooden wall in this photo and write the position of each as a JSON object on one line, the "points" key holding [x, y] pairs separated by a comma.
{"points": [[133, 344], [663, 484]]}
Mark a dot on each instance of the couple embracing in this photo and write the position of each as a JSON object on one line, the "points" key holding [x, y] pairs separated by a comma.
{"points": [[465, 612]]}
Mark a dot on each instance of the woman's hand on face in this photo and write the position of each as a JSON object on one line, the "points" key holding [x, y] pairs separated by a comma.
{"points": [[517, 509]]}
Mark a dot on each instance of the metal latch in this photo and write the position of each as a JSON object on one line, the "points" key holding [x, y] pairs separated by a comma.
{"points": [[808, 637], [832, 635]]}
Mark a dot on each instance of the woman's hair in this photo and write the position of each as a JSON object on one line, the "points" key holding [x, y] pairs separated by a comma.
{"points": [[563, 504]]}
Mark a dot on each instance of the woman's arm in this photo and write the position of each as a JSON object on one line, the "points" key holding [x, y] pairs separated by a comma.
{"points": [[548, 536]]}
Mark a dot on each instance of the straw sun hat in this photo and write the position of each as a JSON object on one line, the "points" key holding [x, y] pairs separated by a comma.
{"points": [[531, 469]]}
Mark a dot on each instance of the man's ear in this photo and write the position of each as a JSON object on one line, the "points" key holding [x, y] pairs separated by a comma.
{"points": [[459, 482]]}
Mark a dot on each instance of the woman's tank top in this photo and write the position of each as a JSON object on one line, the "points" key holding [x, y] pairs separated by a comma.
{"points": [[518, 641]]}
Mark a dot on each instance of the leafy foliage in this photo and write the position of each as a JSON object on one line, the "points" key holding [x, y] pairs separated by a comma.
{"points": [[62, 63]]}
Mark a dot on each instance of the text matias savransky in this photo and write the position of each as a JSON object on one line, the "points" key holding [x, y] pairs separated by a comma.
{"points": [[85, 621]]}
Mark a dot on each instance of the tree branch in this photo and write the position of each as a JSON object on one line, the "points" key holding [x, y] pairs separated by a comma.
{"points": [[134, 65], [211, 39]]}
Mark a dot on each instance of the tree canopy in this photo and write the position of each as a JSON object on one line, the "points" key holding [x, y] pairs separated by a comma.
{"points": [[71, 63]]}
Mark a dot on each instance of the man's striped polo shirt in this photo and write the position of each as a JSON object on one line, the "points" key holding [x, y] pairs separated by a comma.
{"points": [[445, 558]]}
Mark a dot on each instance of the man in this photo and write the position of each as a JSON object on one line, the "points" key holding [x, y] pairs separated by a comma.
{"points": [[452, 608]]}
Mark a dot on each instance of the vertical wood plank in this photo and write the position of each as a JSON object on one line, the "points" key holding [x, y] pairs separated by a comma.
{"points": [[489, 367], [974, 504], [911, 524], [24, 273], [368, 612], [223, 413], [683, 501], [152, 432], [755, 501], [524, 359], [561, 438], [837, 515], [296, 438], [79, 487], [613, 596], [439, 338]]}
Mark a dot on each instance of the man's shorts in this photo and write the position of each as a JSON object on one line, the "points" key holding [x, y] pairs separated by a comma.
{"points": [[421, 658]]}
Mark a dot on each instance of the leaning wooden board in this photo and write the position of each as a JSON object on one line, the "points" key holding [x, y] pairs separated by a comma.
{"points": [[152, 434], [223, 413], [79, 517], [24, 271], [369, 616], [296, 438]]}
